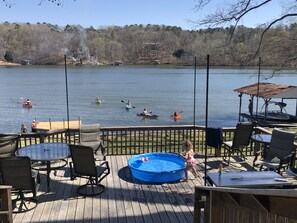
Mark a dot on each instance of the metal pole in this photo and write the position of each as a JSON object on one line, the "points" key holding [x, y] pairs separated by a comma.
{"points": [[194, 115], [66, 80], [258, 87], [206, 119], [240, 105]]}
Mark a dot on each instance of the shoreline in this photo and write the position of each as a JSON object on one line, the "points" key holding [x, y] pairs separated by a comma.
{"points": [[4, 63]]}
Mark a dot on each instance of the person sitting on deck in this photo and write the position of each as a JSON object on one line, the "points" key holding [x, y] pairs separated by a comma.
{"points": [[23, 128]]}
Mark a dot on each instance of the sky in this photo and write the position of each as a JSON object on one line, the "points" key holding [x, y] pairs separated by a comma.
{"points": [[100, 13]]}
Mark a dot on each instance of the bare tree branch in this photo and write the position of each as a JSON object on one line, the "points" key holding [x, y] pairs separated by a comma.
{"points": [[232, 14], [269, 26]]}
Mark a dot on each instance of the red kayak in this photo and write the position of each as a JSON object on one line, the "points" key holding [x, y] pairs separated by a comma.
{"points": [[27, 104]]}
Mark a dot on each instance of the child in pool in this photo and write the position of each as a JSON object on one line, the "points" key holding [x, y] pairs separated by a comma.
{"points": [[190, 160]]}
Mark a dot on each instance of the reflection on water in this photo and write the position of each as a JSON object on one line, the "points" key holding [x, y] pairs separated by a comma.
{"points": [[161, 89]]}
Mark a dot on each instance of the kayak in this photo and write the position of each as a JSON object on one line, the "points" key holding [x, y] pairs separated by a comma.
{"points": [[129, 106], [177, 117], [27, 105], [149, 115], [98, 102]]}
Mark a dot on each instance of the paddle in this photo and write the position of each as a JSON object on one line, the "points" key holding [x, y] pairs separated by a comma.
{"points": [[126, 103]]}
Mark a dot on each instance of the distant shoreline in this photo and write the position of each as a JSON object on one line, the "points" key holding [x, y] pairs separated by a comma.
{"points": [[4, 63]]}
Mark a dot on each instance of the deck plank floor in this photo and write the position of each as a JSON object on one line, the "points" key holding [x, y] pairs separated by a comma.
{"points": [[124, 200]]}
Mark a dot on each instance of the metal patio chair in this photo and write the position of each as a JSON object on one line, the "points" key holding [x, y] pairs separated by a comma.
{"points": [[280, 153], [17, 172], [83, 165], [240, 141]]}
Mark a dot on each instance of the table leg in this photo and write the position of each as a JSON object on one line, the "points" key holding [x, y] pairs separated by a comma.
{"points": [[256, 157], [48, 171]]}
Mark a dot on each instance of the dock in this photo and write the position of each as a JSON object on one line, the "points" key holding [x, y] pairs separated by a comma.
{"points": [[47, 126]]}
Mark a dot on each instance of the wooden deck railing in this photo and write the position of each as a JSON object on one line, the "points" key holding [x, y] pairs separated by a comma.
{"points": [[134, 140], [232, 205]]}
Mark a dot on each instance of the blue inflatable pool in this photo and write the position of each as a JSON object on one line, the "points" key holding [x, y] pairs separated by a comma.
{"points": [[157, 167]]}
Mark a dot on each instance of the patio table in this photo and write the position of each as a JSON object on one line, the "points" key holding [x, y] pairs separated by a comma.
{"points": [[248, 179], [45, 152], [264, 139]]}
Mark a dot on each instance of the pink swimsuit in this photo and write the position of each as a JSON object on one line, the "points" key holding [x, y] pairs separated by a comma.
{"points": [[191, 160]]}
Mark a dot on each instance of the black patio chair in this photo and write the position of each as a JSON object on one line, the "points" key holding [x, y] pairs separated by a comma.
{"points": [[240, 141], [16, 172], [83, 165], [280, 153]]}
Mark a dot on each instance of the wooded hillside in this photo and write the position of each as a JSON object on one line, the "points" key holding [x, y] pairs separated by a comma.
{"points": [[138, 44]]}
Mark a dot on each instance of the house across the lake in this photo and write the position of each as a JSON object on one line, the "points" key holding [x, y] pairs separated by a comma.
{"points": [[25, 62]]}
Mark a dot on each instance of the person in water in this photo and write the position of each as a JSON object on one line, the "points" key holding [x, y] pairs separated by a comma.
{"points": [[98, 100], [129, 103], [176, 115], [28, 102], [145, 112], [188, 154]]}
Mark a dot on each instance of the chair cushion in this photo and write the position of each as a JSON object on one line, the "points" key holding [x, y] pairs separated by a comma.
{"points": [[267, 164]]}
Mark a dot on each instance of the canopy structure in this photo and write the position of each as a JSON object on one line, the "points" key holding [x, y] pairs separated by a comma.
{"points": [[267, 91]]}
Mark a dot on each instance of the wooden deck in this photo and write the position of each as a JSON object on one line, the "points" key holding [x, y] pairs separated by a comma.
{"points": [[125, 199]]}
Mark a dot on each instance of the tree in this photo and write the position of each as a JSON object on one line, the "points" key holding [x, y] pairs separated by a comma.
{"points": [[8, 56], [233, 12]]}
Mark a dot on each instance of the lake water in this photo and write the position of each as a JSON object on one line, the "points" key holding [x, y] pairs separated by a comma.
{"points": [[161, 89]]}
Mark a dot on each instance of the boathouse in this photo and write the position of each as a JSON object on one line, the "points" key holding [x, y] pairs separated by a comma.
{"points": [[269, 92]]}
